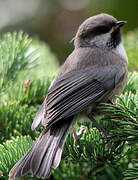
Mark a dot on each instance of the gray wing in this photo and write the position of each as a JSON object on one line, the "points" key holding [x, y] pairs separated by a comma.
{"points": [[40, 115], [76, 90]]}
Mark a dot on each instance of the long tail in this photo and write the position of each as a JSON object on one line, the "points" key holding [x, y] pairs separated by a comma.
{"points": [[44, 155]]}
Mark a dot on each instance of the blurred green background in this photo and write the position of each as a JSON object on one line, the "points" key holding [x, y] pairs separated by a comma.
{"points": [[56, 21]]}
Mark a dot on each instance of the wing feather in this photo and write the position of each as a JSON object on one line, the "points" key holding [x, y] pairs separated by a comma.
{"points": [[72, 92], [76, 93], [39, 116]]}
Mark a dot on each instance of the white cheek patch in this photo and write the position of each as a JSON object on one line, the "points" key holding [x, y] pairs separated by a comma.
{"points": [[101, 40], [120, 49], [104, 38]]}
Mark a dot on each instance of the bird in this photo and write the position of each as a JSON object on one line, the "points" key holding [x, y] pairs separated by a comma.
{"points": [[94, 72]]}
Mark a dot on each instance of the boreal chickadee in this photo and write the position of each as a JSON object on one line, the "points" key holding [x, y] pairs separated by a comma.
{"points": [[94, 72]]}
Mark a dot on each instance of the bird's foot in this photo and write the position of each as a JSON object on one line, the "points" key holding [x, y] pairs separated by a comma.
{"points": [[110, 135], [107, 134], [110, 102], [77, 134]]}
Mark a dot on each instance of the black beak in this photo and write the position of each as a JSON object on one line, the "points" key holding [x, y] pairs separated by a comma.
{"points": [[120, 24]]}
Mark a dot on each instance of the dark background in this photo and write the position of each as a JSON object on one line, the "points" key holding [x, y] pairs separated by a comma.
{"points": [[56, 21]]}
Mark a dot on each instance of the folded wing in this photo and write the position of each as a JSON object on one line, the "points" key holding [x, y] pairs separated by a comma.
{"points": [[76, 90]]}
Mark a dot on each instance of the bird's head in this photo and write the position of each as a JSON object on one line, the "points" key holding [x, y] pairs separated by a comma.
{"points": [[102, 30]]}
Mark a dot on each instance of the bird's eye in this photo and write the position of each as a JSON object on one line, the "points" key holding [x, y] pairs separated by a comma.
{"points": [[96, 31], [102, 29]]}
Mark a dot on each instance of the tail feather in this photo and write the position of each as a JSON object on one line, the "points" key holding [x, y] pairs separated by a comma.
{"points": [[23, 165], [38, 153], [45, 166], [57, 157], [44, 154]]}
